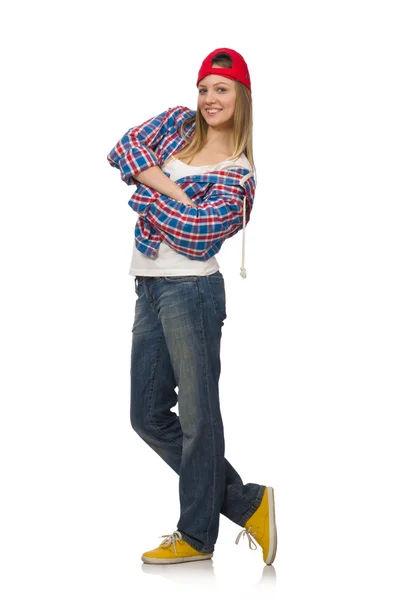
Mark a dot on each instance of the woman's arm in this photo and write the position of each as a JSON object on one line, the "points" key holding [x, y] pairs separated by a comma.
{"points": [[137, 150]]}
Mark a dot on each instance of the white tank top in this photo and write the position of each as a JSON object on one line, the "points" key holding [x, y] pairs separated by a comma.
{"points": [[168, 261]]}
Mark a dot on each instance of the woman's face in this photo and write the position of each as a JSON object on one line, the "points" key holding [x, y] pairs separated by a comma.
{"points": [[217, 100]]}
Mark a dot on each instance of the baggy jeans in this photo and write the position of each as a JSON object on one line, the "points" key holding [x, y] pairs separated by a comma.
{"points": [[176, 337]]}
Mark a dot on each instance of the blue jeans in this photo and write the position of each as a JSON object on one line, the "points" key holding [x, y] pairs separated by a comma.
{"points": [[176, 339]]}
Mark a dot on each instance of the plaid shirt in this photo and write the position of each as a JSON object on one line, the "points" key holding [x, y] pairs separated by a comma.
{"points": [[220, 196]]}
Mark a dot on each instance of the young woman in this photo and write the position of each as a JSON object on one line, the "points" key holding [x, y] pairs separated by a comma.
{"points": [[194, 172]]}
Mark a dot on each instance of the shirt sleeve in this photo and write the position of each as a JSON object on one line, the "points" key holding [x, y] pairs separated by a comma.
{"points": [[136, 150], [195, 231]]}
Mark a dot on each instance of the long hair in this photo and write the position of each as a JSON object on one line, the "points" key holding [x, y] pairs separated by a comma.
{"points": [[243, 122]]}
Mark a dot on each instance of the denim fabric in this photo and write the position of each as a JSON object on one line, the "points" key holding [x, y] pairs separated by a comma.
{"points": [[176, 338]]}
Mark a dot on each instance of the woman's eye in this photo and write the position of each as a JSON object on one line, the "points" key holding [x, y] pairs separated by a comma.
{"points": [[218, 89]]}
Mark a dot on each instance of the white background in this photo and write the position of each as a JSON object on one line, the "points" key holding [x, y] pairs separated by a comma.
{"points": [[308, 382]]}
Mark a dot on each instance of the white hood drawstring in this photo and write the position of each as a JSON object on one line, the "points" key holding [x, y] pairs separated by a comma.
{"points": [[243, 270]]}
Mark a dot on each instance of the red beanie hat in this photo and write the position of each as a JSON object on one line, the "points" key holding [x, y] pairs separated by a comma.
{"points": [[238, 70]]}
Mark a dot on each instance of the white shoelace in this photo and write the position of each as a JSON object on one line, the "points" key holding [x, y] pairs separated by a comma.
{"points": [[171, 539], [249, 535]]}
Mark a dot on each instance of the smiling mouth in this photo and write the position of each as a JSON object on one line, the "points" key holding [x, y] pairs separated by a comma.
{"points": [[212, 111]]}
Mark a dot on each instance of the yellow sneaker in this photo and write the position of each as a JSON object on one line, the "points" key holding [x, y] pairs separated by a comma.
{"points": [[180, 552], [262, 527]]}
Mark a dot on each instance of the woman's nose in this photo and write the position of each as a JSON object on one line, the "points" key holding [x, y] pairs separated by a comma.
{"points": [[210, 97]]}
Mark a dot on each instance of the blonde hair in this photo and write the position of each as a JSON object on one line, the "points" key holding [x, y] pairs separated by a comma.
{"points": [[243, 122]]}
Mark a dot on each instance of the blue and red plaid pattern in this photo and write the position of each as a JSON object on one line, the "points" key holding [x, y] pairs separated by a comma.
{"points": [[219, 196]]}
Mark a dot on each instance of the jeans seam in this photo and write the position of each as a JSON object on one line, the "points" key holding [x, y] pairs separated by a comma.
{"points": [[209, 406], [218, 316]]}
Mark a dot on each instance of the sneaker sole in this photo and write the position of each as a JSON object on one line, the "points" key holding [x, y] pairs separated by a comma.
{"points": [[167, 561], [271, 555]]}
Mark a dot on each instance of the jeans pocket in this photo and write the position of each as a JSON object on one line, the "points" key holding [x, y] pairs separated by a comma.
{"points": [[216, 286]]}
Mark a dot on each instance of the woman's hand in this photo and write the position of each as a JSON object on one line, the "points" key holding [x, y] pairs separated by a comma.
{"points": [[184, 198], [188, 202]]}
